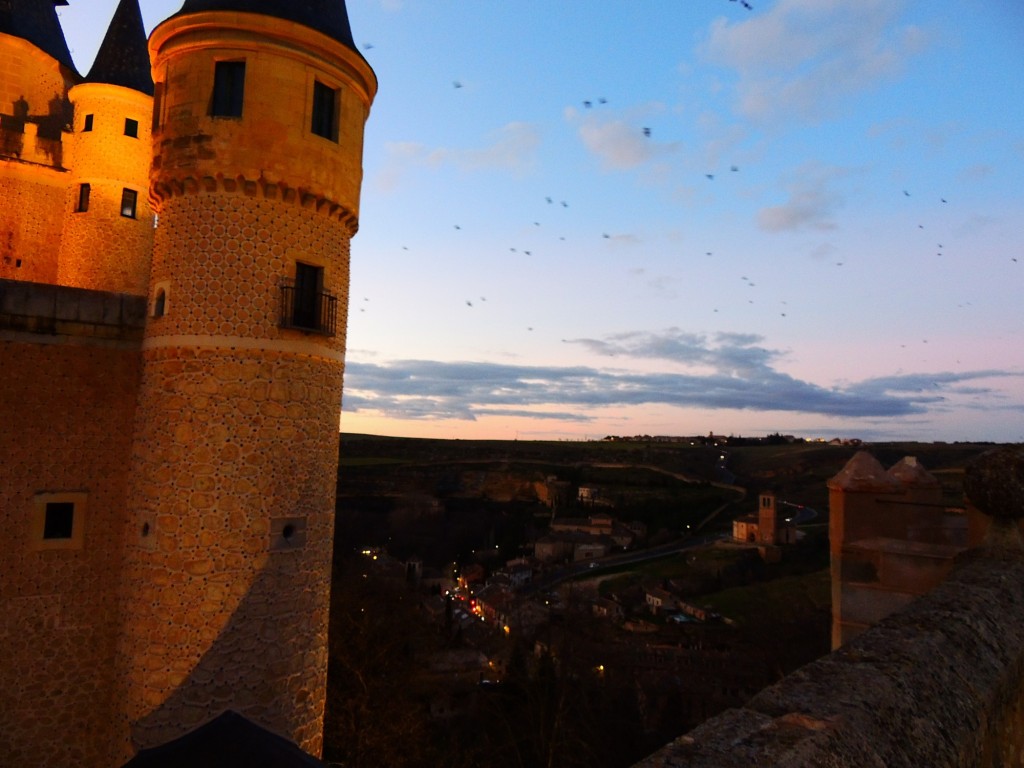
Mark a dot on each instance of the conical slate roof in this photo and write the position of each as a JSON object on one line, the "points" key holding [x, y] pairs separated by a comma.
{"points": [[863, 473], [327, 16], [36, 21], [228, 740], [123, 58], [909, 471]]}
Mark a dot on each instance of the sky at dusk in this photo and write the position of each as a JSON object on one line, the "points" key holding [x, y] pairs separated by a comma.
{"points": [[598, 217]]}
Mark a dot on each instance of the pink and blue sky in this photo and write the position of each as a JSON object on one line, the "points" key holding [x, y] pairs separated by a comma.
{"points": [[594, 217]]}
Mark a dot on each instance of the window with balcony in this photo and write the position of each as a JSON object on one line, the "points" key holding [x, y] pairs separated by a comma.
{"points": [[305, 305]]}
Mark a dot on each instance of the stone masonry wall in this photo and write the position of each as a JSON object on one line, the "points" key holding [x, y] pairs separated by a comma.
{"points": [[236, 443], [222, 610], [102, 249], [31, 214], [66, 408]]}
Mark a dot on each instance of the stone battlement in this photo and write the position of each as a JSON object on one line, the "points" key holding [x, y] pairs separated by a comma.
{"points": [[57, 310]]}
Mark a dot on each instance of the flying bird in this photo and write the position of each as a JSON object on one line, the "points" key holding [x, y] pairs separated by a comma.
{"points": [[710, 176], [456, 84], [647, 132], [587, 104]]}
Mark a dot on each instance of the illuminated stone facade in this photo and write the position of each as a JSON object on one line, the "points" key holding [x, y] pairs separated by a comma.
{"points": [[173, 295]]}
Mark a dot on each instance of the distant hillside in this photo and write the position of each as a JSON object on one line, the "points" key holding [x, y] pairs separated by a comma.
{"points": [[442, 499]]}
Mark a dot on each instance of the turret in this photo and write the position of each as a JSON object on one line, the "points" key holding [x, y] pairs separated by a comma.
{"points": [[257, 136], [108, 223]]}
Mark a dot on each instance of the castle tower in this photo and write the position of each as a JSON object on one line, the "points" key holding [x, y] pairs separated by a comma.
{"points": [[259, 113], [108, 224], [37, 72]]}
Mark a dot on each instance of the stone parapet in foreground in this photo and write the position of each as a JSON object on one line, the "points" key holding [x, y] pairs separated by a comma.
{"points": [[938, 684]]}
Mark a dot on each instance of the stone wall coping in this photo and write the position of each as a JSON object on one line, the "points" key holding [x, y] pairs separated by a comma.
{"points": [[928, 686], [40, 308], [904, 547]]}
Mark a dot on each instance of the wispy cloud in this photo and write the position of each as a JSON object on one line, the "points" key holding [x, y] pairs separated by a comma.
{"points": [[805, 58], [736, 372], [513, 147], [811, 202]]}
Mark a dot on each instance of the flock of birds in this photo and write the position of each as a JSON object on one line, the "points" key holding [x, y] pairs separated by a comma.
{"points": [[710, 176]]}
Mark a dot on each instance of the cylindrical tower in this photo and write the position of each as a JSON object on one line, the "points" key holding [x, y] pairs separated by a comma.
{"points": [[108, 223], [257, 167]]}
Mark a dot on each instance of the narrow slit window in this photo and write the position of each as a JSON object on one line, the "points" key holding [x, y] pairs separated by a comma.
{"points": [[325, 111], [131, 128], [228, 89], [88, 123], [83, 197], [158, 104], [129, 199]]}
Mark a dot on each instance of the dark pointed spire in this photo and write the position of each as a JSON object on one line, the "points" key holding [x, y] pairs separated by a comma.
{"points": [[36, 21], [123, 58], [327, 16]]}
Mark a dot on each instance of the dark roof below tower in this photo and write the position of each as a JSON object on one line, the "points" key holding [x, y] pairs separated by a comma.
{"points": [[36, 21], [228, 740], [123, 58], [327, 16]]}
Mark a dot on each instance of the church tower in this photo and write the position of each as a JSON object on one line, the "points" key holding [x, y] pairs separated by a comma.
{"points": [[259, 110]]}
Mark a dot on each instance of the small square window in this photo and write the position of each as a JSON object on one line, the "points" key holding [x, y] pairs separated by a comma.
{"points": [[83, 197], [58, 521], [325, 111], [88, 123], [131, 128], [129, 199]]}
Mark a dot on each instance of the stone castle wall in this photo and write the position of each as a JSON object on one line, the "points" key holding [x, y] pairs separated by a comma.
{"points": [[66, 406], [31, 215]]}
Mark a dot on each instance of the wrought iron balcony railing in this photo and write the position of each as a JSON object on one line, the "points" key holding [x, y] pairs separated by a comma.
{"points": [[310, 311]]}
